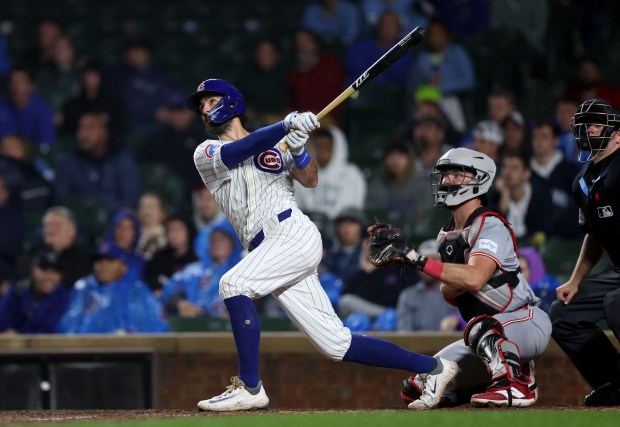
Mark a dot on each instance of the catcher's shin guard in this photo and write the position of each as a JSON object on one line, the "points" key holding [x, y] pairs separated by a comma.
{"points": [[485, 336]]}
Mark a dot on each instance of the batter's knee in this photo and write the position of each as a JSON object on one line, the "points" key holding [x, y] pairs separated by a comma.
{"points": [[337, 346], [230, 286]]}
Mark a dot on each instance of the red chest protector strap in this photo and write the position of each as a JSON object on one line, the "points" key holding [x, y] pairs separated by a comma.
{"points": [[485, 212]]}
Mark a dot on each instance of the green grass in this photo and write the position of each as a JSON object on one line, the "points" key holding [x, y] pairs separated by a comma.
{"points": [[442, 418]]}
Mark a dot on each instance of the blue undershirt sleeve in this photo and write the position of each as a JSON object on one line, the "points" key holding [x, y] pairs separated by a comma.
{"points": [[252, 144]]}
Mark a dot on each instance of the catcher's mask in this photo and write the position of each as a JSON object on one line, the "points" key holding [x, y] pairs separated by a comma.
{"points": [[594, 112], [231, 105], [461, 163]]}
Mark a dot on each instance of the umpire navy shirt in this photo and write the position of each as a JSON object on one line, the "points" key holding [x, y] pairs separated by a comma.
{"points": [[597, 192]]}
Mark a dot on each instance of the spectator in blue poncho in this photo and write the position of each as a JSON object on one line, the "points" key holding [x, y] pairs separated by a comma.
{"points": [[124, 231], [194, 290], [111, 300], [35, 305]]}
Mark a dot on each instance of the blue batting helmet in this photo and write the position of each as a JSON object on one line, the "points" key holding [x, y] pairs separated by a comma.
{"points": [[231, 105]]}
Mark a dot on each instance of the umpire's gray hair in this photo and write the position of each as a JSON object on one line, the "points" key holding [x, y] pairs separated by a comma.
{"points": [[62, 211]]}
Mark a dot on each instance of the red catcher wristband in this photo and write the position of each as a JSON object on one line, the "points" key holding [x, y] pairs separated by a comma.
{"points": [[433, 268]]}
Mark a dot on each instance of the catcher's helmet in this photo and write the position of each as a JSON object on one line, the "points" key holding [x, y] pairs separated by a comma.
{"points": [[231, 105], [463, 160], [598, 112]]}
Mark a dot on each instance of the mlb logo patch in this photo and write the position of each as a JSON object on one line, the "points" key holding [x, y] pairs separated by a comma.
{"points": [[269, 161], [488, 245], [605, 212]]}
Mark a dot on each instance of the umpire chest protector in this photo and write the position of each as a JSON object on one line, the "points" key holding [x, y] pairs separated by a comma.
{"points": [[453, 247], [597, 193]]}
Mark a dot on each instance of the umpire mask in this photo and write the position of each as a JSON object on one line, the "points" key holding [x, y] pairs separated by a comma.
{"points": [[594, 112]]}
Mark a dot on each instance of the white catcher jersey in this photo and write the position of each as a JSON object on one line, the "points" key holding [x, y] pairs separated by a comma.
{"points": [[488, 236], [260, 187]]}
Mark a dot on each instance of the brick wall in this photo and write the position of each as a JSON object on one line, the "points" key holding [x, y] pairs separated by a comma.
{"points": [[310, 381], [191, 367]]}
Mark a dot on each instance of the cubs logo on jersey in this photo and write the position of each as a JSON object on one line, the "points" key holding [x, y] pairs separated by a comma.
{"points": [[269, 161], [209, 151]]}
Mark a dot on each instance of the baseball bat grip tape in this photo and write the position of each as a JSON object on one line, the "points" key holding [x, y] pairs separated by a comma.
{"points": [[325, 111]]}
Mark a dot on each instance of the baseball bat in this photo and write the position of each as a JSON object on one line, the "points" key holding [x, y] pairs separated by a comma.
{"points": [[394, 54]]}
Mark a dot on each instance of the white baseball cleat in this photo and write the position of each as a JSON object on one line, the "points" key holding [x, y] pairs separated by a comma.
{"points": [[435, 386], [237, 398]]}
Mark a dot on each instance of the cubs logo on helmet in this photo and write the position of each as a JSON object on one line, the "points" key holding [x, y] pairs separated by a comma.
{"points": [[269, 161]]}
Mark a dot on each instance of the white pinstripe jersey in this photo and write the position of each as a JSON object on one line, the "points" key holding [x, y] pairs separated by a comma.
{"points": [[251, 192]]}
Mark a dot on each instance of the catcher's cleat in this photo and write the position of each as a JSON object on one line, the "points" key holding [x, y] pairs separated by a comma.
{"points": [[606, 395], [435, 386], [237, 397], [505, 392]]}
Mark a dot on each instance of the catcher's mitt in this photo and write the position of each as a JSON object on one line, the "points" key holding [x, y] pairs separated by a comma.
{"points": [[387, 245]]}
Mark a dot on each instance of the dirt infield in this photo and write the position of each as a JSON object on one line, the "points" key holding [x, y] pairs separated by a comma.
{"points": [[51, 416]]}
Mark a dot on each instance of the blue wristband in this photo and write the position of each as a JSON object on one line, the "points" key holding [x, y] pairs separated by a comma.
{"points": [[302, 160]]}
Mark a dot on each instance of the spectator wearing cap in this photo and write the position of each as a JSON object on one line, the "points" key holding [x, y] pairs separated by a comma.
{"points": [[550, 169], [342, 258], [173, 145], [422, 307], [398, 187], [372, 290], [488, 139], [24, 112], [60, 235], [92, 99], [12, 231], [35, 305], [112, 301], [95, 169], [342, 183], [519, 201], [514, 132]]}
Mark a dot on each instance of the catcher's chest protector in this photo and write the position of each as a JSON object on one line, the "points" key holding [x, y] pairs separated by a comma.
{"points": [[454, 247]]}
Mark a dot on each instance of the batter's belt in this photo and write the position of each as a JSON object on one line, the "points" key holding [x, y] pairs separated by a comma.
{"points": [[260, 236]]}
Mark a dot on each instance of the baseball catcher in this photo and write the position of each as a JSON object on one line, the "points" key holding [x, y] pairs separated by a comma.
{"points": [[480, 274]]}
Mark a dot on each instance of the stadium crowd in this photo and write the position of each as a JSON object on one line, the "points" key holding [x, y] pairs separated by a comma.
{"points": [[105, 225]]}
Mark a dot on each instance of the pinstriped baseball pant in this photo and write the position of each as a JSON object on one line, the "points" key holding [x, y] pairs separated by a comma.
{"points": [[285, 265]]}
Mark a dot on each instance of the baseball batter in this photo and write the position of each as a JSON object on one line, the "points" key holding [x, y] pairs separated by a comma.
{"points": [[252, 182], [480, 274]]}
